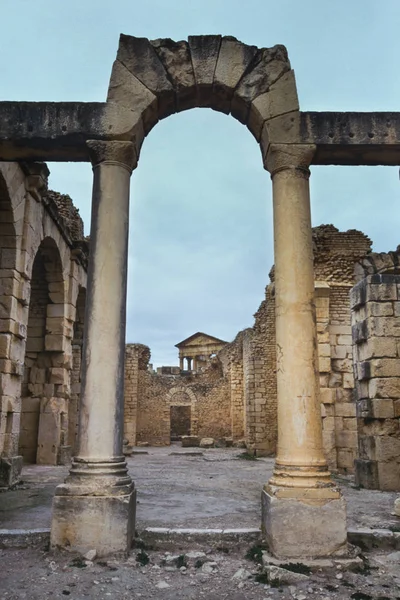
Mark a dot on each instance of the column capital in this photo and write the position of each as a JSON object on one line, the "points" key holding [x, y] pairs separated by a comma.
{"points": [[297, 157], [112, 152]]}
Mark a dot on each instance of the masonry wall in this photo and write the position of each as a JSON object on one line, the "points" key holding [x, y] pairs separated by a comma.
{"points": [[42, 267], [149, 397], [375, 303], [246, 386]]}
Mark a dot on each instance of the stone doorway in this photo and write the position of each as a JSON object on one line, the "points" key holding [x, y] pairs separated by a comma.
{"points": [[180, 422]]}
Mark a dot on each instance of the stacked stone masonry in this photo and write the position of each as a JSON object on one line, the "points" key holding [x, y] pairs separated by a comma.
{"points": [[43, 272], [375, 302]]}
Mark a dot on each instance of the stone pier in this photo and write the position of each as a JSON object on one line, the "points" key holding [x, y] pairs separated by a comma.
{"points": [[303, 513], [95, 507]]}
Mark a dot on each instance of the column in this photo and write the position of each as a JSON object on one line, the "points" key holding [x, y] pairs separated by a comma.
{"points": [[195, 363], [95, 507], [303, 513], [181, 363], [189, 364]]}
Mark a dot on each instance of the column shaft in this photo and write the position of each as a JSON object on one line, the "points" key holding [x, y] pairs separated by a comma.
{"points": [[300, 450], [303, 513], [95, 508], [101, 422]]}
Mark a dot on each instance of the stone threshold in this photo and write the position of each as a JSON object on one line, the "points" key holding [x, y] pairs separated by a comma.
{"points": [[365, 538]]}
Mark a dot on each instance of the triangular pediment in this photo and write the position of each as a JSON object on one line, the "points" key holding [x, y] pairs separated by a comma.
{"points": [[199, 339]]}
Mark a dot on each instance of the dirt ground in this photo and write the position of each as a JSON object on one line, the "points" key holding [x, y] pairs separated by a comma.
{"points": [[179, 488], [37, 574]]}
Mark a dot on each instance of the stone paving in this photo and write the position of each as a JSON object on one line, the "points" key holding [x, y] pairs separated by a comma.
{"points": [[179, 488]]}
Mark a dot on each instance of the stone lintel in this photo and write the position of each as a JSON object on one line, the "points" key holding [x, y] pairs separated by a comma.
{"points": [[352, 138], [58, 131]]}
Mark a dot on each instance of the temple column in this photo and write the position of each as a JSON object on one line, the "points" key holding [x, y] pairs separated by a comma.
{"points": [[181, 363], [95, 507], [303, 512], [189, 364]]}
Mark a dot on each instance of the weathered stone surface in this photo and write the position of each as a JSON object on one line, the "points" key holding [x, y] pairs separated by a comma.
{"points": [[397, 507], [141, 59], [295, 529], [176, 59], [204, 50], [75, 522], [351, 138], [268, 66], [207, 443], [190, 441], [58, 130], [281, 98], [278, 576], [233, 60], [127, 90]]}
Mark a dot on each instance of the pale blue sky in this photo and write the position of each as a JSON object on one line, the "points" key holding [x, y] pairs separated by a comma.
{"points": [[201, 218]]}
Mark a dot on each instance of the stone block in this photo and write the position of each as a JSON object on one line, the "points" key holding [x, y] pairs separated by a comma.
{"points": [[76, 519], [324, 364], [378, 347], [204, 50], [140, 58], [358, 294], [359, 332], [348, 380], [384, 388], [389, 476], [175, 56], [380, 309], [382, 408], [10, 470], [345, 459], [366, 474], [281, 98], [387, 448], [297, 529], [207, 443], [233, 60], [190, 441], [346, 439], [385, 367], [381, 292], [345, 409], [327, 395]]}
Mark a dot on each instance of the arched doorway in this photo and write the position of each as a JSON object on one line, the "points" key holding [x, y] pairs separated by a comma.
{"points": [[180, 413], [44, 419]]}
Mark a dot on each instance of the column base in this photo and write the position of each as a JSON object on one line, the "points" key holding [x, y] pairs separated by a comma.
{"points": [[304, 522], [93, 511]]}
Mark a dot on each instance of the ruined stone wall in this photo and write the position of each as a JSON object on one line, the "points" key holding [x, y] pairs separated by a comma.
{"points": [[149, 397], [40, 277], [335, 255], [375, 302], [246, 387]]}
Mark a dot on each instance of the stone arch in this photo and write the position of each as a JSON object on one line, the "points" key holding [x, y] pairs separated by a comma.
{"points": [[77, 344], [45, 389], [160, 77], [181, 396]]}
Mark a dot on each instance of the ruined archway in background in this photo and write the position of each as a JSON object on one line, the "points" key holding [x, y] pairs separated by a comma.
{"points": [[44, 419], [180, 412]]}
